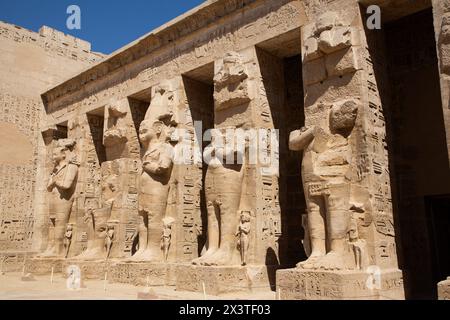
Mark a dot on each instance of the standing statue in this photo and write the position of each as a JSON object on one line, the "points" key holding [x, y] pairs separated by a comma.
{"points": [[97, 220], [61, 187], [110, 235], [357, 244], [157, 165], [326, 174], [68, 239], [166, 236], [223, 193], [243, 236]]}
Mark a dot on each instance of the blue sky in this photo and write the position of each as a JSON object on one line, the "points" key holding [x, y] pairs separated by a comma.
{"points": [[108, 25]]}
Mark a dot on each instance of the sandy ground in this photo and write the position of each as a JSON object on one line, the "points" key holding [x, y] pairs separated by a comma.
{"points": [[12, 287]]}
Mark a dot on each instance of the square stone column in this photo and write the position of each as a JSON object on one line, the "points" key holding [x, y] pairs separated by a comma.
{"points": [[337, 72]]}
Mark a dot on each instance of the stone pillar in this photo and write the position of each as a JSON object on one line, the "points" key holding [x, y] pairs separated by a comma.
{"points": [[441, 12], [358, 258], [241, 102]]}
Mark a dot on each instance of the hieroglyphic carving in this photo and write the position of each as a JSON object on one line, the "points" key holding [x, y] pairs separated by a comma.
{"points": [[223, 189], [326, 173], [17, 181], [243, 236], [52, 41], [157, 162], [61, 187]]}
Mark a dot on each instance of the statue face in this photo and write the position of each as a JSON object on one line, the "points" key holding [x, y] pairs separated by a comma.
{"points": [[147, 132], [58, 154]]}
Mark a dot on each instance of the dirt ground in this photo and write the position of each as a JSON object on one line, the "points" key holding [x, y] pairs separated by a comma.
{"points": [[12, 287]]}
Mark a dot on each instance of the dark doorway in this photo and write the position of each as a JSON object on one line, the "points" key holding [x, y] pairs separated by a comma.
{"points": [[438, 213], [406, 69]]}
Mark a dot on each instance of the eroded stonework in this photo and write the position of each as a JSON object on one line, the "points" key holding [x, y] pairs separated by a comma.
{"points": [[142, 175]]}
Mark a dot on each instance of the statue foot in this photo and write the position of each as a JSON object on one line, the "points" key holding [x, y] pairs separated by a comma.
{"points": [[50, 253], [201, 260], [147, 256], [221, 257], [310, 262], [332, 261], [94, 254], [136, 256]]}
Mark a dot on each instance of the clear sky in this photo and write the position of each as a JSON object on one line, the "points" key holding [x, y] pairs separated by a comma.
{"points": [[107, 25]]}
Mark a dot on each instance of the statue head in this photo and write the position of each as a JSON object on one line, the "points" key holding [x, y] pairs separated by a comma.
{"points": [[245, 217], [150, 131], [69, 227], [61, 149], [343, 117]]}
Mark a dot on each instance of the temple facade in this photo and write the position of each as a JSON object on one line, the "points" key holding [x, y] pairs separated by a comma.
{"points": [[285, 145]]}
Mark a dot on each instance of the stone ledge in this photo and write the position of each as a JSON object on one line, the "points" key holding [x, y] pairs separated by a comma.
{"points": [[226, 279], [143, 273], [43, 266], [299, 284], [92, 270], [444, 289]]}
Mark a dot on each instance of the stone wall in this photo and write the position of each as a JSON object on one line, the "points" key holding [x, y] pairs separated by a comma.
{"points": [[30, 63]]}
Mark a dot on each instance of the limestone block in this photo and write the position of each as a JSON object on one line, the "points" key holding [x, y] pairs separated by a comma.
{"points": [[44, 266], [229, 97], [444, 289], [221, 280], [342, 62], [311, 49], [326, 21], [143, 273], [89, 269], [308, 31], [314, 71], [298, 284], [335, 39]]}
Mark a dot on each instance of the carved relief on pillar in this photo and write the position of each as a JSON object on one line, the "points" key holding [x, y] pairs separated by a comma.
{"points": [[223, 191], [115, 132], [96, 219], [230, 83], [329, 49], [155, 181], [119, 135], [61, 188], [342, 213], [444, 44], [333, 210]]}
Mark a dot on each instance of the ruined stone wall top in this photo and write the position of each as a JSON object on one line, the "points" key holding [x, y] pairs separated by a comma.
{"points": [[51, 40], [209, 13]]}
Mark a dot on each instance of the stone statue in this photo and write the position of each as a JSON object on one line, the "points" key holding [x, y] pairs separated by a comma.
{"points": [[223, 192], [61, 187], [243, 236], [166, 236], [109, 240], [357, 244], [68, 239], [326, 174], [157, 165], [97, 219], [115, 131]]}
